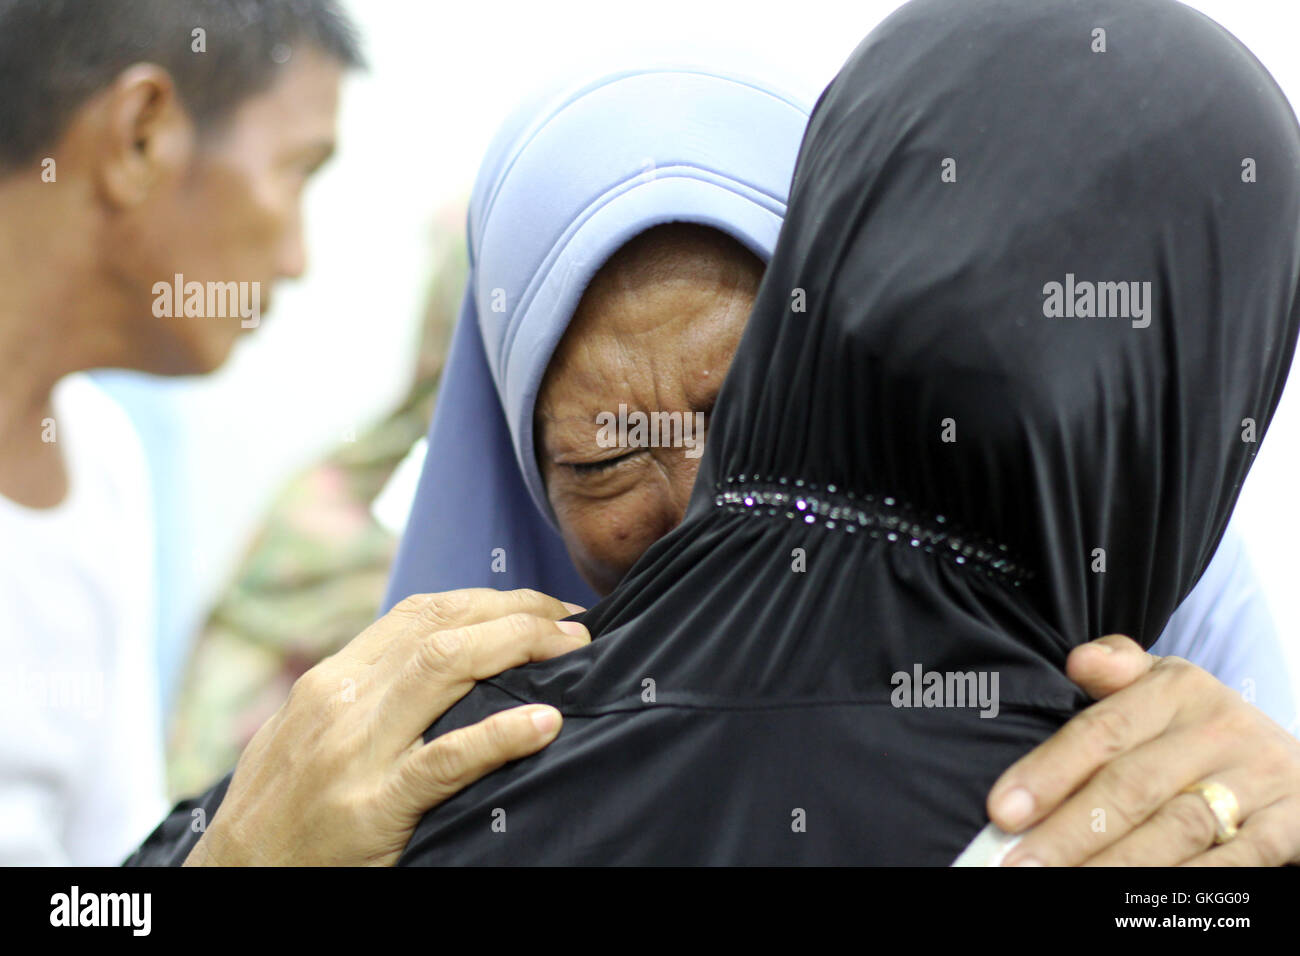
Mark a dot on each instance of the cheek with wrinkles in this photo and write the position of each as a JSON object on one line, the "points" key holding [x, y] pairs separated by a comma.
{"points": [[615, 534]]}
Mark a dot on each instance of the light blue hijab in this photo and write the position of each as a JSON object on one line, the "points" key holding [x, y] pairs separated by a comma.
{"points": [[570, 178]]}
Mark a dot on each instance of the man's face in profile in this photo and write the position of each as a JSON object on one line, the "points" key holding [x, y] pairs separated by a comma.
{"points": [[233, 213]]}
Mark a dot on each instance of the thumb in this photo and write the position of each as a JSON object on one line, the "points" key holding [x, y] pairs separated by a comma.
{"points": [[1108, 664]]}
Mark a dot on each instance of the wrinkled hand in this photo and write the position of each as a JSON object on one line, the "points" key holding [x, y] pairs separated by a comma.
{"points": [[341, 775], [1107, 788]]}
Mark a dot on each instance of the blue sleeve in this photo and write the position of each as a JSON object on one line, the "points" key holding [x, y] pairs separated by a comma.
{"points": [[1225, 627]]}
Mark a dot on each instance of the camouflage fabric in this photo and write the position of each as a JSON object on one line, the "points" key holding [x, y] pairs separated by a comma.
{"points": [[316, 572]]}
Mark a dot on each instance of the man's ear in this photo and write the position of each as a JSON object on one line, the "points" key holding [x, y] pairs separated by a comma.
{"points": [[146, 135]]}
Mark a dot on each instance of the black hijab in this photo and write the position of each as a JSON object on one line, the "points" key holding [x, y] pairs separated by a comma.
{"points": [[923, 460]]}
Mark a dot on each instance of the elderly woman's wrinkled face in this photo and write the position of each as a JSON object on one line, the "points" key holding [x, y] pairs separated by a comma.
{"points": [[655, 332]]}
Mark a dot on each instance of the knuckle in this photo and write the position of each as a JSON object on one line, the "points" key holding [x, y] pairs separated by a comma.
{"points": [[497, 741], [410, 606], [1183, 674], [446, 652], [1108, 729], [527, 597], [445, 610], [522, 625], [1134, 796], [1237, 725], [434, 611], [1192, 819], [1175, 664], [307, 689], [449, 756]]}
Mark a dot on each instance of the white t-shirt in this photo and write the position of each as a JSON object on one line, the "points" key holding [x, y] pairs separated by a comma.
{"points": [[81, 767]]}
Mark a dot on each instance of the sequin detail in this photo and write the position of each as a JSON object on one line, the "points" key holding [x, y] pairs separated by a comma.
{"points": [[876, 516]]}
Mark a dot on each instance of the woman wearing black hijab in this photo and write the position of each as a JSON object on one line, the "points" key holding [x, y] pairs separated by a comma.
{"points": [[1031, 310]]}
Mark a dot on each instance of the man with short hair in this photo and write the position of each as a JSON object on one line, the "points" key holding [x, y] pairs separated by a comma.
{"points": [[152, 159]]}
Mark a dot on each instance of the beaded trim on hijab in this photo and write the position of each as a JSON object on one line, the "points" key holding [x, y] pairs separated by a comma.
{"points": [[878, 517]]}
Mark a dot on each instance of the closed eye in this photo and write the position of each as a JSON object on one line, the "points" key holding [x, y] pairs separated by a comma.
{"points": [[596, 467]]}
